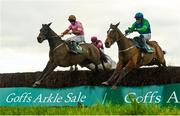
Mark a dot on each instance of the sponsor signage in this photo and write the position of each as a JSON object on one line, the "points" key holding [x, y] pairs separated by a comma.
{"points": [[89, 95]]}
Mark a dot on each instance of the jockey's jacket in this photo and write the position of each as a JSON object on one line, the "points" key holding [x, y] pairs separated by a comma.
{"points": [[142, 28], [99, 44], [77, 27]]}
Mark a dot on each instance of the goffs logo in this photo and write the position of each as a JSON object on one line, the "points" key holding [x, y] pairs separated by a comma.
{"points": [[149, 97]]}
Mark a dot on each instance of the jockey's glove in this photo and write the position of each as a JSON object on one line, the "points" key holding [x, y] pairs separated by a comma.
{"points": [[70, 32], [126, 31]]}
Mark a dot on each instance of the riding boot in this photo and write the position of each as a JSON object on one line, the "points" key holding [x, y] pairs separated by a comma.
{"points": [[78, 48], [147, 47], [74, 48]]}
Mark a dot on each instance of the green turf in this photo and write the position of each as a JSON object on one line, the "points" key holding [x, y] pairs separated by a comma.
{"points": [[108, 109]]}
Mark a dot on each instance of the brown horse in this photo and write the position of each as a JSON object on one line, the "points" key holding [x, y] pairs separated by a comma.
{"points": [[130, 57], [59, 54]]}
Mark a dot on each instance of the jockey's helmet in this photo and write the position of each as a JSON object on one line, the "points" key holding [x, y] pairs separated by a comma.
{"points": [[72, 18], [139, 15], [93, 38]]}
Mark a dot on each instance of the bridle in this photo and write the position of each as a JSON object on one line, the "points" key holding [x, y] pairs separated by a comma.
{"points": [[54, 36], [124, 50]]}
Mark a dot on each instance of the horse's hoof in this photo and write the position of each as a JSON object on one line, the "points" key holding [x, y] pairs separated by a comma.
{"points": [[37, 83], [105, 83], [114, 87]]}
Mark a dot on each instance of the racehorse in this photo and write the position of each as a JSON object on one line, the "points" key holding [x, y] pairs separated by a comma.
{"points": [[59, 54], [130, 57]]}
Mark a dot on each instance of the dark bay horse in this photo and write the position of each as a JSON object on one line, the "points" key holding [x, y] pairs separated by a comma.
{"points": [[59, 54], [130, 57]]}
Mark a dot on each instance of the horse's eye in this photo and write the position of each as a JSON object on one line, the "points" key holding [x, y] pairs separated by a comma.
{"points": [[111, 32]]}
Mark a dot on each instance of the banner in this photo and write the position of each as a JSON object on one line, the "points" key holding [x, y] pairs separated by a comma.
{"points": [[89, 95]]}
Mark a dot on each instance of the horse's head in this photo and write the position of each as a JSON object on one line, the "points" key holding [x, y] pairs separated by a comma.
{"points": [[44, 32], [112, 35]]}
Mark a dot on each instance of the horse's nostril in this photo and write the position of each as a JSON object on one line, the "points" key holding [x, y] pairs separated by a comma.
{"points": [[38, 38], [106, 44]]}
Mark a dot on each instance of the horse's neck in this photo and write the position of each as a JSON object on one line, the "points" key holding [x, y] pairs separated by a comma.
{"points": [[54, 40], [122, 41]]}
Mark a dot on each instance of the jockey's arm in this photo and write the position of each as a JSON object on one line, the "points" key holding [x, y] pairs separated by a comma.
{"points": [[76, 32], [132, 28], [65, 32]]}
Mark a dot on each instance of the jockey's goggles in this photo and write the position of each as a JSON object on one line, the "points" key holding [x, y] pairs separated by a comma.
{"points": [[71, 20]]}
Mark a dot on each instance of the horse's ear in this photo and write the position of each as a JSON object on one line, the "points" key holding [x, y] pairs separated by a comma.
{"points": [[111, 25], [43, 24], [49, 23], [117, 24]]}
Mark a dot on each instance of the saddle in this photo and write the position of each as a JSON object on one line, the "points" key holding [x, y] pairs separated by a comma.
{"points": [[74, 47]]}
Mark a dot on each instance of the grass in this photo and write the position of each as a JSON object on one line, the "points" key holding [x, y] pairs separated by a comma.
{"points": [[108, 109]]}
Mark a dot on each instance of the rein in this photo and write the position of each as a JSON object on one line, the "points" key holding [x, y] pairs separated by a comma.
{"points": [[58, 46], [127, 49]]}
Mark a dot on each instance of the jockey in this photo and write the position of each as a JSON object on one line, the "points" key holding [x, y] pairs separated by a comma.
{"points": [[75, 28], [97, 43], [142, 26]]}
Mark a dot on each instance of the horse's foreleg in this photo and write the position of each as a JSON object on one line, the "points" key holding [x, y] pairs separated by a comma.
{"points": [[48, 69], [114, 75], [122, 74], [129, 66]]}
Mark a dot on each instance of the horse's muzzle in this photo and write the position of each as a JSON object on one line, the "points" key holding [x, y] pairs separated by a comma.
{"points": [[107, 45], [39, 39]]}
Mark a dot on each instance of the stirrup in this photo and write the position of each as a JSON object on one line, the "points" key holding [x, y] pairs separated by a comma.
{"points": [[149, 50]]}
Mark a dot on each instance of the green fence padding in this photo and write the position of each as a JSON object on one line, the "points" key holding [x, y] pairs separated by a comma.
{"points": [[90, 95]]}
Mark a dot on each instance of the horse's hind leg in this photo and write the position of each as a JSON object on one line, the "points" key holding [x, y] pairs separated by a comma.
{"points": [[160, 55], [48, 69]]}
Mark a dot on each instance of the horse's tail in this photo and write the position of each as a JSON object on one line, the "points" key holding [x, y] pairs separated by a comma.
{"points": [[103, 57]]}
